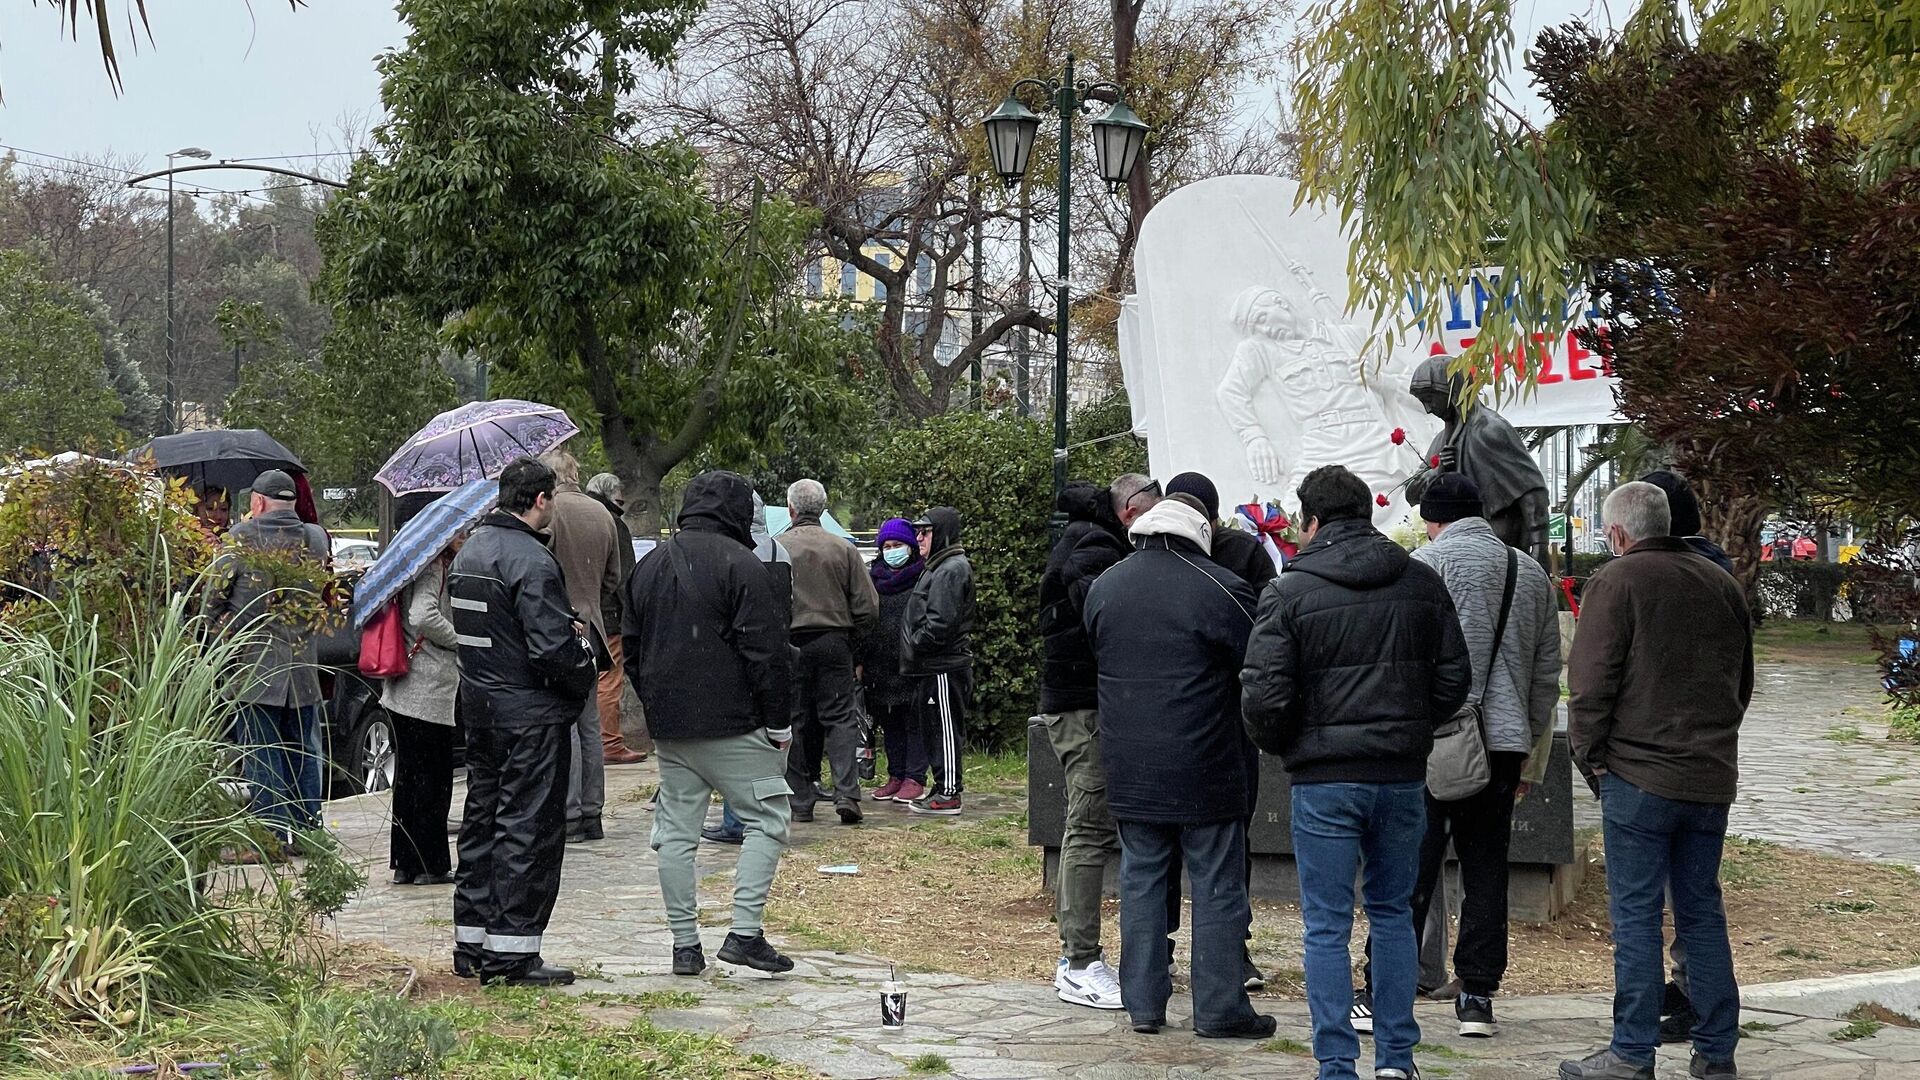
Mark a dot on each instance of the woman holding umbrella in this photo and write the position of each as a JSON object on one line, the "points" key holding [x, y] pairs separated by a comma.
{"points": [[413, 570]]}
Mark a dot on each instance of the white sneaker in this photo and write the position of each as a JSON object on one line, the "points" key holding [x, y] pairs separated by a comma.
{"points": [[1361, 1014], [1396, 1074], [1093, 986]]}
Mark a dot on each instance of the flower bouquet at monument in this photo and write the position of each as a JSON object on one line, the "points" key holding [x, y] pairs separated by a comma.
{"points": [[1271, 526], [1426, 465]]}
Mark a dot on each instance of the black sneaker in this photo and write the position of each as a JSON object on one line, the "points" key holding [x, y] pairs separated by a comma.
{"points": [[1678, 1028], [849, 813], [803, 812], [1475, 1014], [688, 960], [466, 966], [1361, 1015], [536, 973], [754, 952], [1702, 1069], [1251, 976]]}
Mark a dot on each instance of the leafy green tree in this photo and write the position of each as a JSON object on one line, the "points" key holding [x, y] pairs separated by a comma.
{"points": [[54, 389], [376, 381], [1408, 125], [511, 199], [1104, 446]]}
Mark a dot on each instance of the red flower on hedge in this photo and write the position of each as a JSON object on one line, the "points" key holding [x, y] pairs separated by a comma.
{"points": [[1399, 436], [1381, 499]]}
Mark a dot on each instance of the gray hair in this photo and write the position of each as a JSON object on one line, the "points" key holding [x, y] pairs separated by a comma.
{"points": [[1640, 509], [807, 498], [606, 485], [1129, 487], [566, 467]]}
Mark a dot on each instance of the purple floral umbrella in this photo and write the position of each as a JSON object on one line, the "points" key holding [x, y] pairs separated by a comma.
{"points": [[474, 442]]}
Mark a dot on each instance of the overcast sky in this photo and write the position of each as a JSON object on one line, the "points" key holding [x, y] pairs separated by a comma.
{"points": [[253, 78]]}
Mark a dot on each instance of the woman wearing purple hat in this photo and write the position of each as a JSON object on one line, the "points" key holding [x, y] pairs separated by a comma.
{"points": [[893, 698]]}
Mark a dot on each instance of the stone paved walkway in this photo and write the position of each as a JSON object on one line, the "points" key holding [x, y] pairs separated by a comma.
{"points": [[610, 925], [1816, 769]]}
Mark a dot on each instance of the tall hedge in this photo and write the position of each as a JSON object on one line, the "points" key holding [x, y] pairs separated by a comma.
{"points": [[995, 470]]}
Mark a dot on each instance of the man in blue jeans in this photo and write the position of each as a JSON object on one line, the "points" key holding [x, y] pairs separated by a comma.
{"points": [[278, 689], [1356, 657], [1659, 677]]}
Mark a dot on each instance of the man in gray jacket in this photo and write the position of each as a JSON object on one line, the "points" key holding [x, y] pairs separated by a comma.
{"points": [[1512, 628], [279, 692]]}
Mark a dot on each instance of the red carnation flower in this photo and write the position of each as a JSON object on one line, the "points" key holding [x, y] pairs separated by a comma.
{"points": [[1434, 461], [1381, 499], [1399, 436]]}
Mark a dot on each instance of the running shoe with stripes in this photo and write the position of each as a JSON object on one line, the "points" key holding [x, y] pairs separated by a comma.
{"points": [[1362, 1012], [1093, 986], [943, 805]]}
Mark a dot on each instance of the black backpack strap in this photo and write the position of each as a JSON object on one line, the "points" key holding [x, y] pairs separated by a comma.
{"points": [[1500, 629]]}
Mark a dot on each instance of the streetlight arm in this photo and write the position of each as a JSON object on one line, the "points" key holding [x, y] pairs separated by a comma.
{"points": [[230, 165]]}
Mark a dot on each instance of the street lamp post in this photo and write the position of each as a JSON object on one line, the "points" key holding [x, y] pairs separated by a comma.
{"points": [[1118, 137], [173, 414]]}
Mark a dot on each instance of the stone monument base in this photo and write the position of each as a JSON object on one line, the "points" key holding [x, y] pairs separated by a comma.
{"points": [[1545, 864], [1536, 892]]}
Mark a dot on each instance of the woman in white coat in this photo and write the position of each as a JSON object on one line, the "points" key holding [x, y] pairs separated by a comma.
{"points": [[421, 703]]}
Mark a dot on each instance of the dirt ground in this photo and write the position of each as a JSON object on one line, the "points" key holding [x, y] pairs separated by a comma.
{"points": [[965, 896], [1811, 642]]}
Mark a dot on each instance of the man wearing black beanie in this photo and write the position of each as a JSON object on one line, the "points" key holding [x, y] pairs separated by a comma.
{"points": [[1509, 618], [1686, 516]]}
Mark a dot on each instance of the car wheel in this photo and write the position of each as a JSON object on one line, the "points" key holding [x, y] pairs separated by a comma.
{"points": [[373, 752]]}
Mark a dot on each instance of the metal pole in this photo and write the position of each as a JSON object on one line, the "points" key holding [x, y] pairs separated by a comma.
{"points": [[1067, 104], [979, 299], [1023, 371], [171, 423]]}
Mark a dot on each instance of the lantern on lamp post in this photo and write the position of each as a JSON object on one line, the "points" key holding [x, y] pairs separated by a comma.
{"points": [[1118, 136]]}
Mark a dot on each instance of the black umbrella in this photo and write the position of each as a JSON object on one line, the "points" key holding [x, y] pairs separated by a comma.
{"points": [[222, 459]]}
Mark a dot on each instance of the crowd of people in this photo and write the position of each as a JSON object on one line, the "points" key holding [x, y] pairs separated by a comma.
{"points": [[1410, 697]]}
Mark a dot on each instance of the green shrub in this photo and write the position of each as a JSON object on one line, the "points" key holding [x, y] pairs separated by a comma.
{"points": [[114, 814], [995, 470]]}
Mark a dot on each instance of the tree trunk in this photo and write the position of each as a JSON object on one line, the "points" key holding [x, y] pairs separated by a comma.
{"points": [[1732, 519], [646, 513]]}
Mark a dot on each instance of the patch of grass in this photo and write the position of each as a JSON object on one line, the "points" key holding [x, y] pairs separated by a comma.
{"points": [[1287, 1046], [1792, 953], [1857, 906], [928, 1065], [666, 999], [1758, 1026], [438, 922], [1003, 770], [1842, 733], [1857, 1030], [1903, 723], [1439, 1051], [1814, 641], [1892, 778]]}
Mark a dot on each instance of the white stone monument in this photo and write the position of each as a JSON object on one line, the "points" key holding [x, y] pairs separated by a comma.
{"points": [[1241, 360]]}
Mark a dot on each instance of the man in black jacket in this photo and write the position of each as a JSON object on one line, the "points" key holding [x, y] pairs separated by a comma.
{"points": [[526, 671], [1356, 657], [1169, 631], [937, 645], [707, 647], [1069, 694]]}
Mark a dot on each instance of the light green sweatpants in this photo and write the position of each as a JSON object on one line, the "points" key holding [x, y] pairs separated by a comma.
{"points": [[750, 772]]}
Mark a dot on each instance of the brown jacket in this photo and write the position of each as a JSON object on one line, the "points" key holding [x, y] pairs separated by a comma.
{"points": [[586, 543], [831, 587], [1660, 673]]}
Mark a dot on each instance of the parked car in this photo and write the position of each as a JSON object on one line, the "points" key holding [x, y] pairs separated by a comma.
{"points": [[353, 555], [358, 733]]}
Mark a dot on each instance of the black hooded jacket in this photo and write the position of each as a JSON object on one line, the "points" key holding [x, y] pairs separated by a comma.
{"points": [[706, 637], [1091, 543], [521, 662], [1356, 656], [936, 633]]}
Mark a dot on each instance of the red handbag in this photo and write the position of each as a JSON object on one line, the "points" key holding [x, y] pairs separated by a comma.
{"points": [[383, 644]]}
